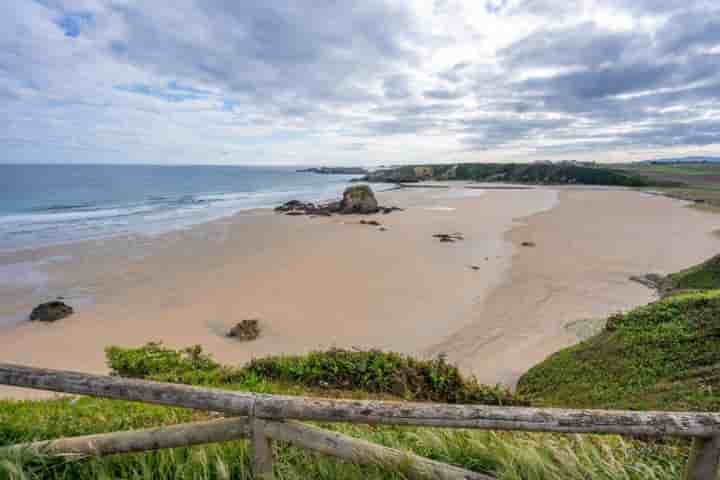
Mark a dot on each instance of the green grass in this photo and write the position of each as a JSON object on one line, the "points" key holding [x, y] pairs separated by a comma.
{"points": [[705, 276], [509, 456], [663, 356]]}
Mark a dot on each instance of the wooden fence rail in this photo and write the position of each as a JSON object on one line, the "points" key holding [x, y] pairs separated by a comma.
{"points": [[268, 415]]}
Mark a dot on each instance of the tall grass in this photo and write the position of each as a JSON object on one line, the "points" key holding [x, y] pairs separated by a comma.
{"points": [[508, 456]]}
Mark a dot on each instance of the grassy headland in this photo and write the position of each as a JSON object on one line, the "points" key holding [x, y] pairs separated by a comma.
{"points": [[662, 356], [696, 182], [530, 173]]}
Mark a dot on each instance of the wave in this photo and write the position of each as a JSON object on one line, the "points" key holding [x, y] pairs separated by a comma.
{"points": [[60, 207], [64, 222]]}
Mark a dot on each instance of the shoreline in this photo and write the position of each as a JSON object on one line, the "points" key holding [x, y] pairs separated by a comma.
{"points": [[331, 282], [548, 292]]}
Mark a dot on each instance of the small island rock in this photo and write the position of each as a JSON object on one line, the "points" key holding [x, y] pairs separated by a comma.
{"points": [[359, 199]]}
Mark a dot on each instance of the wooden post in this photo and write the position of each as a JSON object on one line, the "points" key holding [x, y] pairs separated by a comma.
{"points": [[366, 453], [182, 435], [704, 459], [279, 407], [261, 451], [208, 399]]}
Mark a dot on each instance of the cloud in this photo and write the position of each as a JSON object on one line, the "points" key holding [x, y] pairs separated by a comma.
{"points": [[372, 81]]}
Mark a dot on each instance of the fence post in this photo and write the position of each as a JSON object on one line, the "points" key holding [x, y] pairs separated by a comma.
{"points": [[262, 460], [704, 459]]}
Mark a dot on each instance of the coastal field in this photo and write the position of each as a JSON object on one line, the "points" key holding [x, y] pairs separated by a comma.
{"points": [[492, 305], [696, 182]]}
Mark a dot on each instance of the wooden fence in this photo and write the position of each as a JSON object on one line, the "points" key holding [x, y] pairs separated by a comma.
{"points": [[265, 418]]}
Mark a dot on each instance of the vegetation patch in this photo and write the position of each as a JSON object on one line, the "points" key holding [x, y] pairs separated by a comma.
{"points": [[663, 356], [705, 276], [372, 372], [375, 371]]}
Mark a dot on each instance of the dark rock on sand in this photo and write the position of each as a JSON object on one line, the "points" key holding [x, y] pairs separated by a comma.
{"points": [[295, 206], [449, 237], [374, 223], [528, 244], [386, 210], [51, 312], [650, 280], [245, 330]]}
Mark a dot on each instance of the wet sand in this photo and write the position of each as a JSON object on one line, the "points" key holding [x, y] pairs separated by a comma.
{"points": [[331, 282]]}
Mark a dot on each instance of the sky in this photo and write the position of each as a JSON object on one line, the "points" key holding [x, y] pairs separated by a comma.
{"points": [[368, 82]]}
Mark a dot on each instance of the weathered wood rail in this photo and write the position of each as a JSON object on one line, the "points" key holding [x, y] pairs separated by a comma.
{"points": [[266, 418]]}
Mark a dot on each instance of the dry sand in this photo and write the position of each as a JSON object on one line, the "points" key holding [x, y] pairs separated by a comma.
{"points": [[324, 282]]}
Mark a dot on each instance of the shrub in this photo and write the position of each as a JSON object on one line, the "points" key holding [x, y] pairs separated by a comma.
{"points": [[372, 371], [375, 371]]}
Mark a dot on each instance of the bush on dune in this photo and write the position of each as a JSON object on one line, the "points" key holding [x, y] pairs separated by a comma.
{"points": [[372, 372]]}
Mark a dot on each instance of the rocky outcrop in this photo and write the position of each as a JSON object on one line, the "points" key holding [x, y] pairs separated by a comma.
{"points": [[356, 199], [51, 311], [359, 199], [245, 330]]}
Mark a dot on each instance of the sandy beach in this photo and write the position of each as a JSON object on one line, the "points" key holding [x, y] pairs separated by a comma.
{"points": [[331, 282]]}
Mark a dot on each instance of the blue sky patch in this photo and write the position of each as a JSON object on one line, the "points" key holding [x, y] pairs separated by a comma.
{"points": [[173, 92], [72, 23]]}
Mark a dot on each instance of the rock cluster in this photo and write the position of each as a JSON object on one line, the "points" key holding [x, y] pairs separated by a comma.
{"points": [[356, 199], [245, 330], [51, 311]]}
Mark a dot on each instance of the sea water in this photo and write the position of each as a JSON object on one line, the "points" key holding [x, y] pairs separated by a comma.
{"points": [[43, 205]]}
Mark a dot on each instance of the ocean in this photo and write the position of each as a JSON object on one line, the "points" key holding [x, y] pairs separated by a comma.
{"points": [[42, 205]]}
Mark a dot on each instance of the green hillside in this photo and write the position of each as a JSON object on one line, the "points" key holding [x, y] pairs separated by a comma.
{"points": [[663, 356], [705, 276], [530, 173]]}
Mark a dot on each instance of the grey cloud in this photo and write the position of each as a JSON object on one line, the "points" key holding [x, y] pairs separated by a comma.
{"points": [[583, 45], [484, 133], [271, 50], [688, 30], [443, 94], [397, 87]]}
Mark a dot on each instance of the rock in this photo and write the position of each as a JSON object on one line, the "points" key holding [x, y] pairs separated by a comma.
{"points": [[245, 330], [374, 223], [474, 267], [358, 199], [386, 210], [51, 312], [650, 280], [528, 244], [382, 229], [449, 237]]}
